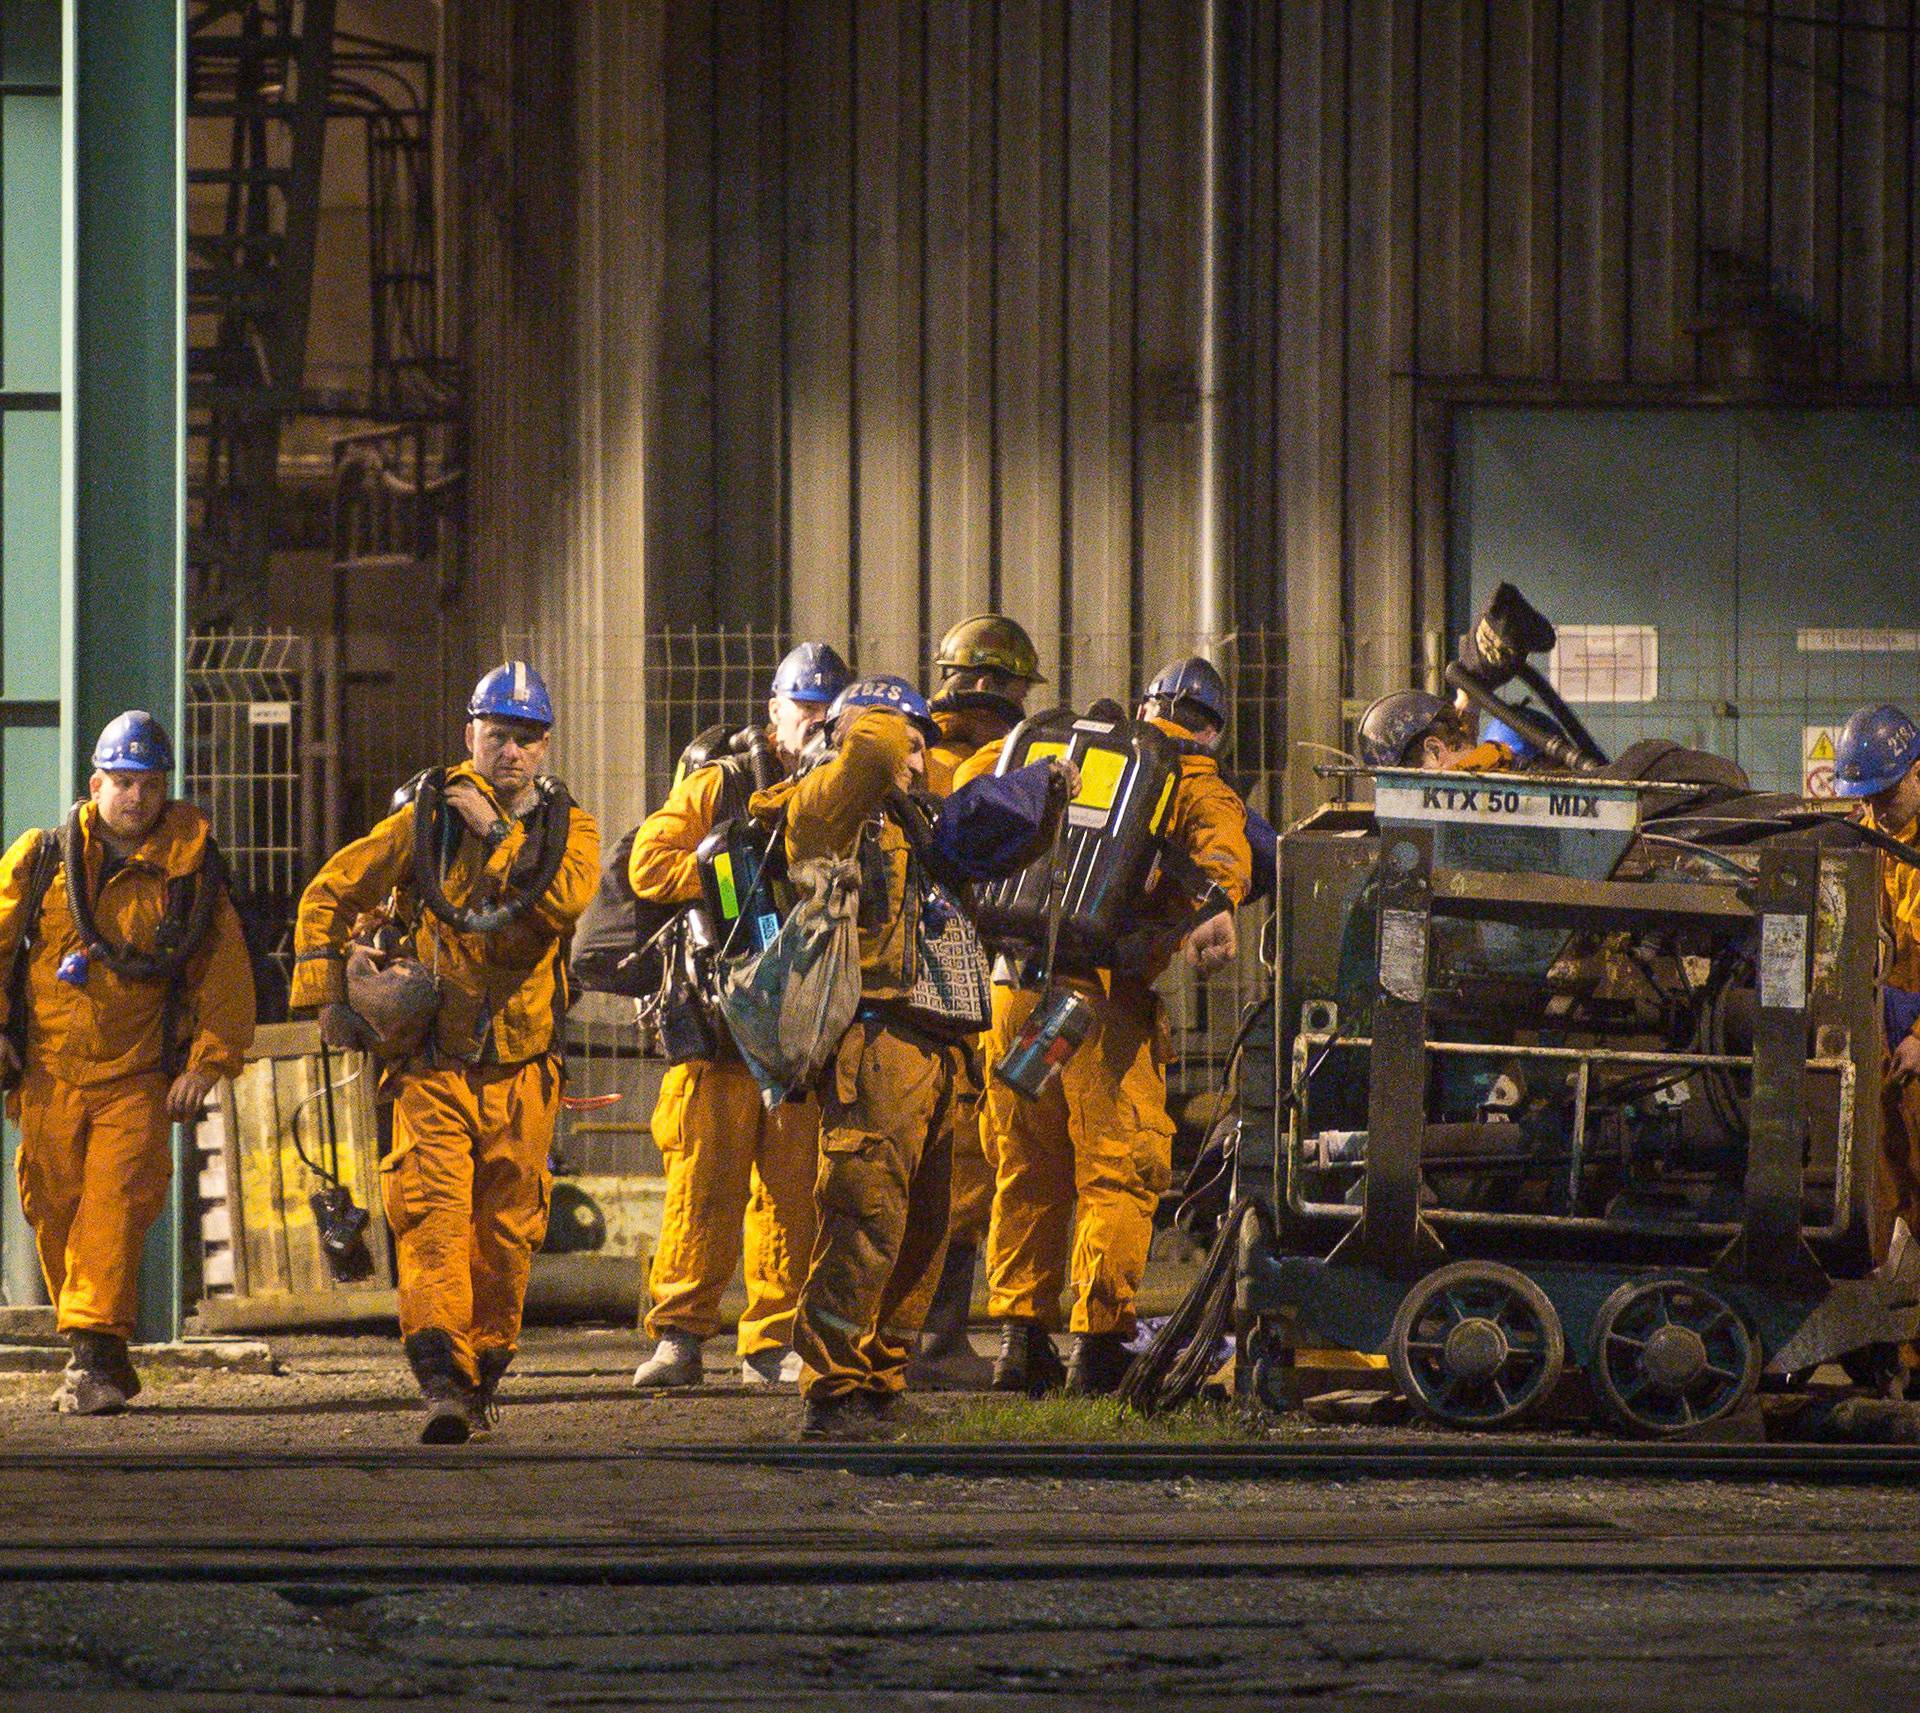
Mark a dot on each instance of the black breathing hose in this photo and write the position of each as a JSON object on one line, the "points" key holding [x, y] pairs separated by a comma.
{"points": [[429, 808], [1554, 745], [175, 943], [1570, 722]]}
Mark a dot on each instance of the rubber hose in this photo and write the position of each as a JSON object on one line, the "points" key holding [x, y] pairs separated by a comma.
{"points": [[128, 962], [429, 808]]}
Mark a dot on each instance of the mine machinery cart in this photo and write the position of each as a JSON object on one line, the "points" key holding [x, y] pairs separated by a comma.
{"points": [[1567, 1072]]}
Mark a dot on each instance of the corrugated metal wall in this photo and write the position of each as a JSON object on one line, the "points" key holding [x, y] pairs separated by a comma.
{"points": [[1555, 200], [928, 294], [930, 317]]}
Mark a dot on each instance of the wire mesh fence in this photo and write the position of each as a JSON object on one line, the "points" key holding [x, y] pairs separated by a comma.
{"points": [[254, 719], [1771, 698]]}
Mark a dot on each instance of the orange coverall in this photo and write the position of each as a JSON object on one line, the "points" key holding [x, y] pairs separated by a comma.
{"points": [[95, 1140], [1081, 1169], [886, 1097], [466, 1186], [1900, 1106], [736, 1173]]}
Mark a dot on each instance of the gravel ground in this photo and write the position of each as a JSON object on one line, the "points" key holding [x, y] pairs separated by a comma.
{"points": [[622, 1579]]}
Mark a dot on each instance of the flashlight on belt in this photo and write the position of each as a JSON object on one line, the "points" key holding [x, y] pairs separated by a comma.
{"points": [[1052, 1034]]}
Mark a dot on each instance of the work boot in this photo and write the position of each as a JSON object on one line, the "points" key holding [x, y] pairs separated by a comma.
{"points": [[1098, 1364], [675, 1362], [1028, 1362], [770, 1368], [449, 1399], [485, 1412], [894, 1412], [99, 1377], [946, 1360], [847, 1416], [105, 1354]]}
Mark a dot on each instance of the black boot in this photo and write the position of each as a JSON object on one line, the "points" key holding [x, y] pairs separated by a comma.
{"points": [[1028, 1362], [493, 1363], [1098, 1364], [847, 1416], [946, 1360], [449, 1399]]}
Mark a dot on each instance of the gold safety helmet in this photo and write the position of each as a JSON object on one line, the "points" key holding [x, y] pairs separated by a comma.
{"points": [[989, 642]]}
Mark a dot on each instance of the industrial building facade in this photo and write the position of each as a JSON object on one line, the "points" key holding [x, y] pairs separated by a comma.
{"points": [[1278, 330]]}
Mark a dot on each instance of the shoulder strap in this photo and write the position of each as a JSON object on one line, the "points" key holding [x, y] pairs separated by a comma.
{"points": [[40, 873]]}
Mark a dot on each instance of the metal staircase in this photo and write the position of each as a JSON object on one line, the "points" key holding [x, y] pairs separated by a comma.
{"points": [[265, 79], [258, 76]]}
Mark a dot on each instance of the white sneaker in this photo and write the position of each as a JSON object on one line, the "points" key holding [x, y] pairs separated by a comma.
{"points": [[770, 1368], [675, 1362]]}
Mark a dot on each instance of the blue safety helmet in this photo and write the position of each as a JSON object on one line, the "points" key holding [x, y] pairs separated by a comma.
{"points": [[513, 691], [1194, 679], [1498, 731], [1876, 747], [133, 742], [1392, 725], [884, 690], [813, 672]]}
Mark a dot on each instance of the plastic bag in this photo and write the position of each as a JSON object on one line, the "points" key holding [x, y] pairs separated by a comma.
{"points": [[788, 1007]]}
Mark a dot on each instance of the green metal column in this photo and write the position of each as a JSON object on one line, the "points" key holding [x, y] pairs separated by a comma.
{"points": [[33, 256], [92, 328], [126, 640]]}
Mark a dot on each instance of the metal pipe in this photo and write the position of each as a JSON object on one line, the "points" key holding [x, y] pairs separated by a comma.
{"points": [[1210, 605], [1297, 1132]]}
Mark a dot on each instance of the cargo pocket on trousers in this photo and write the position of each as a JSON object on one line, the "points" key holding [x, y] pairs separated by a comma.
{"points": [[401, 1193]]}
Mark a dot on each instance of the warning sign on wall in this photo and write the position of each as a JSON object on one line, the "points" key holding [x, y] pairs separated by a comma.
{"points": [[1816, 759]]}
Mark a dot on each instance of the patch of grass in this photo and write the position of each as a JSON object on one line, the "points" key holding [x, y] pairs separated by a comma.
{"points": [[1058, 1420]]}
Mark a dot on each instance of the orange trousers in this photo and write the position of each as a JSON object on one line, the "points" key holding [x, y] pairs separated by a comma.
{"points": [[466, 1190], [969, 1201], [883, 1192], [1080, 1171], [93, 1166], [1899, 1179], [738, 1177]]}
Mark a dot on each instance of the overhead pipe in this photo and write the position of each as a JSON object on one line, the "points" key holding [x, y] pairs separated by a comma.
{"points": [[1212, 608]]}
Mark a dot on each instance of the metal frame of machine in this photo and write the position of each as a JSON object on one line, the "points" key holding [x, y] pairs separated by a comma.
{"points": [[1671, 1317]]}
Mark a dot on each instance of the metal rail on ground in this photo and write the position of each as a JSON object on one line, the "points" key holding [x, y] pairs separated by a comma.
{"points": [[1451, 1457]]}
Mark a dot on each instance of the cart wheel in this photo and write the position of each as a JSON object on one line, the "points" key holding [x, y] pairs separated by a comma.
{"points": [[1476, 1344], [1670, 1355]]}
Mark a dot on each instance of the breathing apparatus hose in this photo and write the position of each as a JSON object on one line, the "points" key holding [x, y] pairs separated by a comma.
{"points": [[1570, 722], [751, 741], [429, 811], [176, 941], [1554, 745]]}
